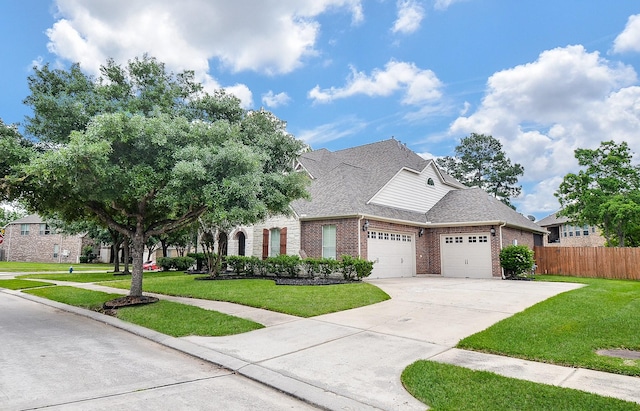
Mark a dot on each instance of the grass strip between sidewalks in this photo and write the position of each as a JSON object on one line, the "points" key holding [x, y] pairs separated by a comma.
{"points": [[97, 277], [18, 284], [167, 317], [569, 328], [21, 267], [301, 301], [445, 387]]}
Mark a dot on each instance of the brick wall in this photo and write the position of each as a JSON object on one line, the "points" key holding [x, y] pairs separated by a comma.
{"points": [[347, 231], [36, 247], [432, 239]]}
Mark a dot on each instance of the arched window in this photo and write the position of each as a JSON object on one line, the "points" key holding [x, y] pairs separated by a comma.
{"points": [[430, 182]]}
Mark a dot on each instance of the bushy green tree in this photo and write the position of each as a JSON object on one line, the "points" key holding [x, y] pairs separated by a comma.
{"points": [[605, 193], [480, 161], [146, 152]]}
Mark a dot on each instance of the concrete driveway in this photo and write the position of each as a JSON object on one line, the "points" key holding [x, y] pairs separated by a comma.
{"points": [[360, 353]]}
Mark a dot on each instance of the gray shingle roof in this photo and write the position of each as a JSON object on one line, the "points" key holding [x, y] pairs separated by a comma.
{"points": [[30, 219], [343, 182], [476, 205], [552, 219]]}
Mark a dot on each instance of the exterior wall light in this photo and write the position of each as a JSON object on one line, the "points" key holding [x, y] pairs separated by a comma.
{"points": [[493, 231], [365, 226], [421, 232]]}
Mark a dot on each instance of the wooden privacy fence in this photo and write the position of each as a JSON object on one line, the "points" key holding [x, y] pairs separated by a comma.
{"points": [[597, 262]]}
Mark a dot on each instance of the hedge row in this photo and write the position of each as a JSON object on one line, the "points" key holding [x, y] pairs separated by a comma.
{"points": [[177, 263], [351, 268]]}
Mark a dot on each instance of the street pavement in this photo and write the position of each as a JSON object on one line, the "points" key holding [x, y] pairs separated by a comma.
{"points": [[352, 360], [54, 359]]}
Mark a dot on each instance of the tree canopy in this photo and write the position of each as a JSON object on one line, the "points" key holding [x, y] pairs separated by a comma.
{"points": [[145, 152], [480, 161], [605, 193]]}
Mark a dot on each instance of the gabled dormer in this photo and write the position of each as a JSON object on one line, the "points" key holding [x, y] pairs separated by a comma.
{"points": [[414, 190]]}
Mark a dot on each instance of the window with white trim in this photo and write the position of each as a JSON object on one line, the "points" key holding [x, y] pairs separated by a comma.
{"points": [[274, 242], [24, 229], [329, 241]]}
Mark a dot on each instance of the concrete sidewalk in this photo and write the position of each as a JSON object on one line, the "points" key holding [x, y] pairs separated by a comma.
{"points": [[352, 360]]}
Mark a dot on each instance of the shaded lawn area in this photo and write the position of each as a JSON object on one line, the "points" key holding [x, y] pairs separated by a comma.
{"points": [[568, 329], [97, 277], [19, 267], [167, 317], [449, 387], [302, 301], [16, 284]]}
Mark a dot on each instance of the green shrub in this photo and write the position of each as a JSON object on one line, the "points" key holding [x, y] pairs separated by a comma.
{"points": [[316, 267], [166, 263], [255, 266], [83, 259], [284, 265], [238, 263], [183, 263], [516, 260], [355, 267], [363, 268]]}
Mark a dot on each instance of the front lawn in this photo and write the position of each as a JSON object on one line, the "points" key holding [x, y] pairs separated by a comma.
{"points": [[18, 267], [302, 301], [16, 284], [568, 329], [97, 277], [449, 387], [166, 317]]}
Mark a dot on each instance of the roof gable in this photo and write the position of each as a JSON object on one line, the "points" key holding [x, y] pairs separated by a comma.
{"points": [[427, 187]]}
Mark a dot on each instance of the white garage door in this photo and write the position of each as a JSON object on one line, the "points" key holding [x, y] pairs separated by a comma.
{"points": [[466, 255], [393, 254]]}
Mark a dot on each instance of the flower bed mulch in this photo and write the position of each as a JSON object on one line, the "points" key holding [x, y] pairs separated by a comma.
{"points": [[279, 280]]}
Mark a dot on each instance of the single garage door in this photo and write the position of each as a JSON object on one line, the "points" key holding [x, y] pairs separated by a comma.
{"points": [[393, 254], [466, 255]]}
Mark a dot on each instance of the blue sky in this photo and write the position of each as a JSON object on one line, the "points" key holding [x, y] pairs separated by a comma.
{"points": [[544, 77]]}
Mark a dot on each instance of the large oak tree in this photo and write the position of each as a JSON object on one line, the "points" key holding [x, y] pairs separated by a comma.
{"points": [[145, 152]]}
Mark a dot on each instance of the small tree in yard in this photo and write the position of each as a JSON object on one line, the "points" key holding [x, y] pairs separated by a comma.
{"points": [[146, 152], [516, 260]]}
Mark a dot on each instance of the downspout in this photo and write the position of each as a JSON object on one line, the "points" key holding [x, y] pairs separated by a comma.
{"points": [[359, 236], [500, 229]]}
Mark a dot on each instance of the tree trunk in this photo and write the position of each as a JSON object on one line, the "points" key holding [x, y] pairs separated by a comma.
{"points": [[137, 252], [127, 251]]}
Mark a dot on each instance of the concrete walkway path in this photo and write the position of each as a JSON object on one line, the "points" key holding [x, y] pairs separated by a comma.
{"points": [[352, 360]]}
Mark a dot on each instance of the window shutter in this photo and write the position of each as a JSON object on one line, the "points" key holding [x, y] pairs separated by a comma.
{"points": [[283, 241], [265, 244]]}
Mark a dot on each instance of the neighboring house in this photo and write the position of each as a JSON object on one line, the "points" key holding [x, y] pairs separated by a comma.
{"points": [[385, 203], [562, 233], [30, 239]]}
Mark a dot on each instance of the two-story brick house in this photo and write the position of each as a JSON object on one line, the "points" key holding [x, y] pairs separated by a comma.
{"points": [[30, 239], [564, 233]]}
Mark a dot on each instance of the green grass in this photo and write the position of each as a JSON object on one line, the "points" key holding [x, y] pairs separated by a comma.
{"points": [[99, 277], [16, 284], [568, 329], [91, 300], [448, 387], [302, 301], [16, 267], [167, 317]]}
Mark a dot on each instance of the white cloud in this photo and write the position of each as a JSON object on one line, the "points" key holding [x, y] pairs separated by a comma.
{"points": [[542, 111], [410, 15], [324, 133], [275, 100], [629, 39], [419, 86], [444, 4], [270, 36]]}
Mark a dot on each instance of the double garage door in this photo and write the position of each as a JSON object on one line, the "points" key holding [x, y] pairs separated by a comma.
{"points": [[393, 254], [466, 255]]}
